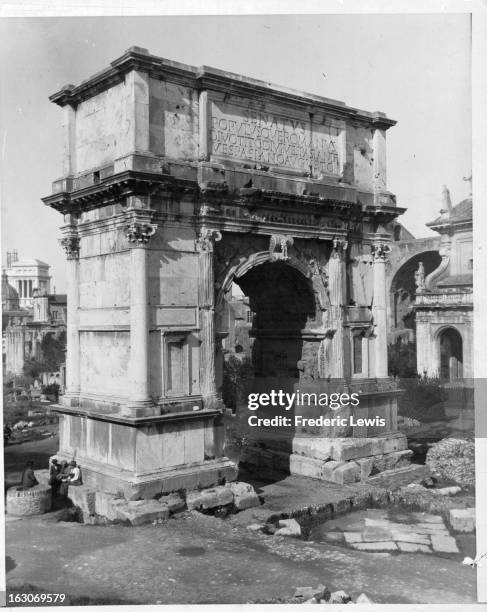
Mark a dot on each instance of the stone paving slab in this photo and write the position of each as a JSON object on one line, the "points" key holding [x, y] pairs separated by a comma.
{"points": [[375, 546], [352, 536], [412, 538], [413, 548], [445, 544]]}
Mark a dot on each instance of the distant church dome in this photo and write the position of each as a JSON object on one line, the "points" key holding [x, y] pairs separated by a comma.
{"points": [[10, 297]]}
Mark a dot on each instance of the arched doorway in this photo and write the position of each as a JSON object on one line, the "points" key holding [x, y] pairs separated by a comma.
{"points": [[267, 313], [451, 354]]}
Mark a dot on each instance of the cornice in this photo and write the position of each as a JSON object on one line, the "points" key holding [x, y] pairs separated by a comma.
{"points": [[208, 78]]}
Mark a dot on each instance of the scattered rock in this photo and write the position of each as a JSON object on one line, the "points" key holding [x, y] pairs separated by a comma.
{"points": [[289, 527], [462, 519], [255, 527], [363, 599], [207, 499], [244, 495], [340, 597], [447, 490], [174, 502], [453, 459]]}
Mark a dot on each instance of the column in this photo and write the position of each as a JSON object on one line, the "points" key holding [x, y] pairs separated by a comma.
{"points": [[70, 244], [204, 246], [336, 287], [379, 308], [140, 404]]}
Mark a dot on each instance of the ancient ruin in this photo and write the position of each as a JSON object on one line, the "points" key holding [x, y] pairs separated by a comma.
{"points": [[179, 182]]}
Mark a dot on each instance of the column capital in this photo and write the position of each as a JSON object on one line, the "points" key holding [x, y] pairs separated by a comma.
{"points": [[70, 244], [340, 245], [140, 230], [207, 238], [380, 251]]}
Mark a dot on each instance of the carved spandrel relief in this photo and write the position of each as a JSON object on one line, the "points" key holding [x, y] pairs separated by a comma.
{"points": [[278, 247]]}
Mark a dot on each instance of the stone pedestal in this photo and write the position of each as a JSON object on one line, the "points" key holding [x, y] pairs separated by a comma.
{"points": [[144, 457]]}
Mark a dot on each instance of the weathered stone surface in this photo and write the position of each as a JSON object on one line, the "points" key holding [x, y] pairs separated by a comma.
{"points": [[340, 597], [427, 518], [376, 534], [209, 498], [352, 536], [453, 459], [345, 449], [174, 502], [320, 593], [84, 498], [363, 599], [289, 527], [146, 512], [244, 495], [36, 500], [412, 548], [392, 461], [346, 472], [410, 538], [462, 519], [373, 546], [444, 543], [310, 467], [366, 464], [317, 448], [447, 490], [255, 527]]}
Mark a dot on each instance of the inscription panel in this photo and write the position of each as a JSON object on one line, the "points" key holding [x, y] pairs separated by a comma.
{"points": [[272, 139]]}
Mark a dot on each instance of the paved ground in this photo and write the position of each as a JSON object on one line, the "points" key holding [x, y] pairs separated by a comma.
{"points": [[200, 559]]}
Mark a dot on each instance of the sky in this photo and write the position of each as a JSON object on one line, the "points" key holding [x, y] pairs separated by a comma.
{"points": [[415, 68]]}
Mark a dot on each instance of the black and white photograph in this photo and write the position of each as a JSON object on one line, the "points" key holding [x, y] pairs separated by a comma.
{"points": [[238, 353]]}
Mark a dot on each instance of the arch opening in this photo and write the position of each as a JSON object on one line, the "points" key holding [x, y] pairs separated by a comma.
{"points": [[451, 354], [269, 309]]}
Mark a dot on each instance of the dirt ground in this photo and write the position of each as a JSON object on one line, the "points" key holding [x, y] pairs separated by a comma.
{"points": [[201, 559]]}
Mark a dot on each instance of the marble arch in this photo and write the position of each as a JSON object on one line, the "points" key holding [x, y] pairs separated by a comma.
{"points": [[211, 167]]}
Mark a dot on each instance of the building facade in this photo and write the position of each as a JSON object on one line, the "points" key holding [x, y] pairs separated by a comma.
{"points": [[444, 298]]}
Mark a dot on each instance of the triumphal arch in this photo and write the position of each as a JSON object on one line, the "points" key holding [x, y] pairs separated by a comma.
{"points": [[177, 183]]}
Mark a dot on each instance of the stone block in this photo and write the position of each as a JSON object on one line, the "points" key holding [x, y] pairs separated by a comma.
{"points": [[422, 517], [445, 491], [462, 519], [395, 443], [209, 498], [145, 512], [363, 599], [300, 465], [376, 534], [413, 548], [289, 527], [174, 502], [352, 536], [366, 464], [319, 448], [346, 472], [244, 495], [107, 505], [84, 498], [328, 469], [392, 461], [339, 597], [444, 543], [356, 448]]}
